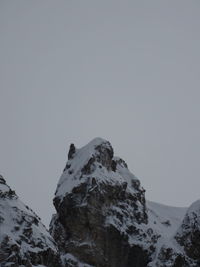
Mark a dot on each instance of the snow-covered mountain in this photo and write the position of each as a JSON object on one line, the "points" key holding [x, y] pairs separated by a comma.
{"points": [[102, 220], [24, 240]]}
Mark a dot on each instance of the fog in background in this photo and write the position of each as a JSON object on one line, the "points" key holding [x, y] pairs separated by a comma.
{"points": [[126, 71]]}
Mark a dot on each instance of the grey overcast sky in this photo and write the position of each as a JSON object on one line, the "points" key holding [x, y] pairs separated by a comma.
{"points": [[127, 71]]}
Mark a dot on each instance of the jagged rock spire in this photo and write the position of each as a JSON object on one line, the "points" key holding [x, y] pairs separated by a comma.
{"points": [[98, 200], [72, 151], [2, 180]]}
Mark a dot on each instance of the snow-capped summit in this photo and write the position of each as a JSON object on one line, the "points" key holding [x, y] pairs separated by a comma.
{"points": [[99, 200], [24, 240], [97, 159]]}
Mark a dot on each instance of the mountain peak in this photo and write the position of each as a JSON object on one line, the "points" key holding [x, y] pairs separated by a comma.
{"points": [[97, 141], [24, 240], [97, 200], [94, 147], [96, 159]]}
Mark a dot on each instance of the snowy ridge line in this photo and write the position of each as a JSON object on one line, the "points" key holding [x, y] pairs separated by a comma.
{"points": [[24, 239]]}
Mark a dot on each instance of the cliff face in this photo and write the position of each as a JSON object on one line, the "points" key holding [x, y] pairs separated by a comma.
{"points": [[188, 234], [24, 240]]}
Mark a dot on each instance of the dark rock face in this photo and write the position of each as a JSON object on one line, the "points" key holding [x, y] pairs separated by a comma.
{"points": [[169, 257], [72, 151], [97, 218], [88, 235], [188, 235], [24, 240]]}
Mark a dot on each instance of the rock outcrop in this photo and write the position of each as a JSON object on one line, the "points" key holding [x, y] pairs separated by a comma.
{"points": [[101, 215], [188, 235], [103, 220], [24, 240]]}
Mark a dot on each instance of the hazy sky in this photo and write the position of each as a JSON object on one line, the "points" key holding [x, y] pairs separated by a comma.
{"points": [[127, 71]]}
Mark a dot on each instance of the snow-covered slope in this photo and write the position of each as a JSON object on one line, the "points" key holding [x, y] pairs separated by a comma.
{"points": [[24, 240], [98, 155], [165, 219]]}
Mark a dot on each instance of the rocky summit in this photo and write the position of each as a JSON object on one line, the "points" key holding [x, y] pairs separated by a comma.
{"points": [[24, 240], [102, 220], [99, 205]]}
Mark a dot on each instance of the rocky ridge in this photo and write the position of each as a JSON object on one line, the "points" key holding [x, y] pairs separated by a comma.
{"points": [[24, 240], [102, 220], [100, 207]]}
